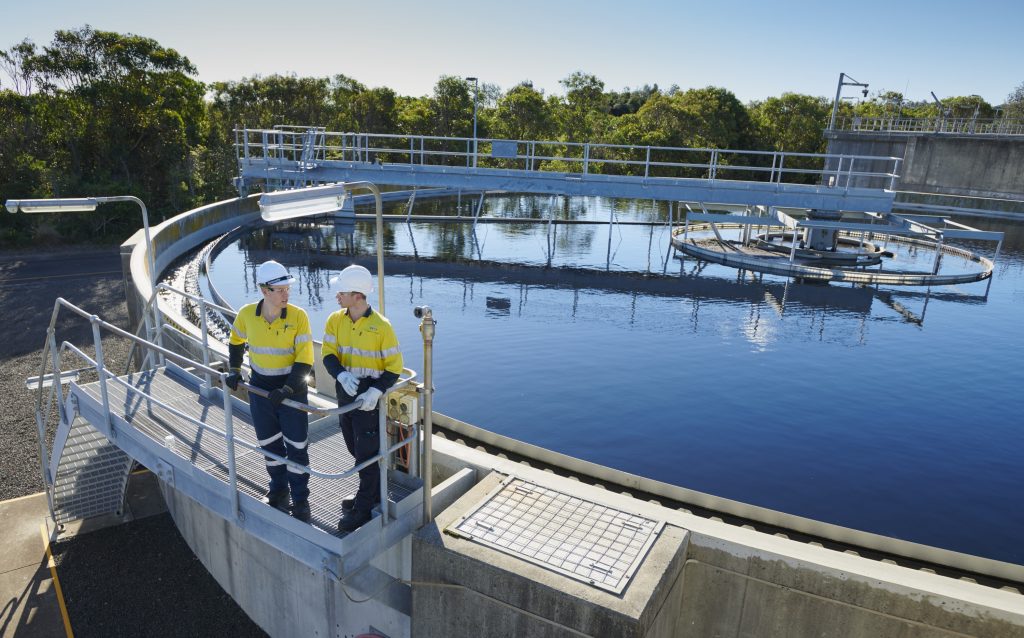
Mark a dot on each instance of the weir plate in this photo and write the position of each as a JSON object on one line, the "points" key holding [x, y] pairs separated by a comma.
{"points": [[589, 542]]}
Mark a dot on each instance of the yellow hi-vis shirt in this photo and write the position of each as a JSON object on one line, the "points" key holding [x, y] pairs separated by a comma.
{"points": [[366, 348], [274, 347]]}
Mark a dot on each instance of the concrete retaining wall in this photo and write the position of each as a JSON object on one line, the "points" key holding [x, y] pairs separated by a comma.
{"points": [[702, 578], [280, 594], [955, 165]]}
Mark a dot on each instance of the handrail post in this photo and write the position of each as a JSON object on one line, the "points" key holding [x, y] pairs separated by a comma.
{"points": [[100, 369], [382, 457], [206, 340], [647, 163], [586, 158], [229, 442], [427, 324]]}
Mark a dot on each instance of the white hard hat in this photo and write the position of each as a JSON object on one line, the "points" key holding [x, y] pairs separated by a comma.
{"points": [[271, 273], [353, 279]]}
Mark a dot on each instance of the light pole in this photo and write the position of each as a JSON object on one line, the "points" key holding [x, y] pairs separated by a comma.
{"points": [[81, 205], [319, 200], [476, 93], [844, 80], [89, 204]]}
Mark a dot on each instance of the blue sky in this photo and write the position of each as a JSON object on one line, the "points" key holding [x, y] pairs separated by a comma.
{"points": [[754, 49]]}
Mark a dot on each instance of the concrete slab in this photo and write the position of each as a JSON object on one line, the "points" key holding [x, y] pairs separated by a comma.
{"points": [[20, 520], [30, 599], [495, 590], [31, 607]]}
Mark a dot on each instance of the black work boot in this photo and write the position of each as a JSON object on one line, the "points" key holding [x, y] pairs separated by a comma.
{"points": [[353, 520], [348, 504], [301, 511], [278, 499]]}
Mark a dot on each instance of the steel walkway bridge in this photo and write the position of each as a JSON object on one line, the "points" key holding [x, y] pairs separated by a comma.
{"points": [[198, 440], [291, 156]]}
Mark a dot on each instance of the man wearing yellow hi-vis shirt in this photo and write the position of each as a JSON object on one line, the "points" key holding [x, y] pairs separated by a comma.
{"points": [[361, 352], [281, 356]]}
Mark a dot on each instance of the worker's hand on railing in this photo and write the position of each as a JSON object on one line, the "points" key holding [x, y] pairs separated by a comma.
{"points": [[280, 394], [368, 400], [234, 378], [349, 382]]}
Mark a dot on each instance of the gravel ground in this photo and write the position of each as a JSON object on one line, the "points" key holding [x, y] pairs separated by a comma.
{"points": [[136, 579], [29, 284]]}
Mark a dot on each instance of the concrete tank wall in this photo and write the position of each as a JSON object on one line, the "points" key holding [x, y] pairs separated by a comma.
{"points": [[960, 165], [702, 578]]}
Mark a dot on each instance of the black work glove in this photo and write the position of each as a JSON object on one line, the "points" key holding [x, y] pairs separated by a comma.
{"points": [[279, 395], [233, 379]]}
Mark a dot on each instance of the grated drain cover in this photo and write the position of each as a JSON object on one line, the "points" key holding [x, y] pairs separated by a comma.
{"points": [[598, 545]]}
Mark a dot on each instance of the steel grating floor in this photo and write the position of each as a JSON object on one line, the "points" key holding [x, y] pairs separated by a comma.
{"points": [[593, 543], [208, 452]]}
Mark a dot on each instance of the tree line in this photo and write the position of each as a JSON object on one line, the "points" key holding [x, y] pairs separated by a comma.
{"points": [[102, 113]]}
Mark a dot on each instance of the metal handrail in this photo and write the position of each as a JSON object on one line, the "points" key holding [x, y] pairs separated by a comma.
{"points": [[290, 144], [105, 376], [935, 124]]}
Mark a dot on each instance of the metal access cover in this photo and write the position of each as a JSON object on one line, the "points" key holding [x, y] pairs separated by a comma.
{"points": [[598, 545]]}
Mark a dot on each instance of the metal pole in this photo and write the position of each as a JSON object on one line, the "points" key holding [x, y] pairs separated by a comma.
{"points": [[380, 237], [98, 344], [206, 341], [382, 466], [229, 441], [476, 95], [835, 103], [427, 324]]}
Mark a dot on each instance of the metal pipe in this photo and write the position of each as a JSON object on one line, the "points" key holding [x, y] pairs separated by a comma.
{"points": [[206, 340], [427, 324], [370, 186], [229, 441], [382, 466], [100, 369]]}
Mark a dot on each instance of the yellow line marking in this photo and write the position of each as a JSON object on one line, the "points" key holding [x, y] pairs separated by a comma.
{"points": [[56, 582], [82, 274]]}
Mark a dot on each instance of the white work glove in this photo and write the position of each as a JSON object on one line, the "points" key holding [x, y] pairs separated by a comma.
{"points": [[369, 399], [349, 382]]}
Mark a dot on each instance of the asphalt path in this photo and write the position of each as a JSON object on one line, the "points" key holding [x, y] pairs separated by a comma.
{"points": [[134, 579]]}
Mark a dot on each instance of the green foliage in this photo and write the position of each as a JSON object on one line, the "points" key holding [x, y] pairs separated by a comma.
{"points": [[523, 114], [1014, 107], [102, 113]]}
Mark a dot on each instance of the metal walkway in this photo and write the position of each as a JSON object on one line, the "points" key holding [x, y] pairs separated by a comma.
{"points": [[289, 157], [202, 444], [208, 453]]}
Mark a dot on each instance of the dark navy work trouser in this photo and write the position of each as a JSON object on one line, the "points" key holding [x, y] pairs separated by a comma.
{"points": [[283, 431], [362, 438]]}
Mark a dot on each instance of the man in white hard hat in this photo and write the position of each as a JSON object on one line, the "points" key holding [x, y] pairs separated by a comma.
{"points": [[362, 353], [281, 356]]}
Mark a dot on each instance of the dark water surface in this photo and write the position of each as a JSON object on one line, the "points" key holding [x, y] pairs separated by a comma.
{"points": [[891, 410]]}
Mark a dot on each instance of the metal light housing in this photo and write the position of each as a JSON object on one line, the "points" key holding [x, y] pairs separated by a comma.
{"points": [[79, 205], [301, 202]]}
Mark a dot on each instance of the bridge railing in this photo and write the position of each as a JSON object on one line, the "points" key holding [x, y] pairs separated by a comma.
{"points": [[309, 147], [53, 356], [955, 125]]}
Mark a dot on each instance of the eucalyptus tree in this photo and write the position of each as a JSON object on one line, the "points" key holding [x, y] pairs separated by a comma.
{"points": [[522, 113], [118, 113]]}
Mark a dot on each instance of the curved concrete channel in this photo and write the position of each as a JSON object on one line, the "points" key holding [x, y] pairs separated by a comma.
{"points": [[717, 567]]}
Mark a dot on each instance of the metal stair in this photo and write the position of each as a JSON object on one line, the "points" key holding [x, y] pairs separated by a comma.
{"points": [[90, 474]]}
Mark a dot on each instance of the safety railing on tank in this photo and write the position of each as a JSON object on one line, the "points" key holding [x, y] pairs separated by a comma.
{"points": [[53, 354], [957, 125], [296, 145]]}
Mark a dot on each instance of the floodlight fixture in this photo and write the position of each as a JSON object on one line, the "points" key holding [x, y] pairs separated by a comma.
{"points": [[79, 205], [301, 202], [319, 200], [844, 80]]}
